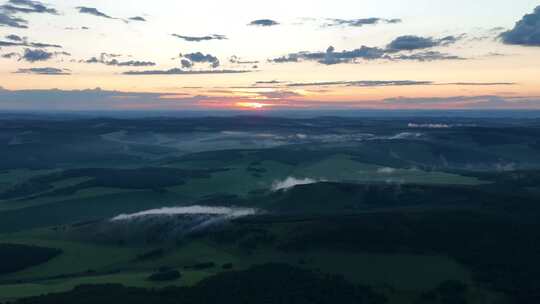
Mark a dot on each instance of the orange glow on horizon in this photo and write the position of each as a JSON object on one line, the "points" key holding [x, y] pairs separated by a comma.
{"points": [[252, 105]]}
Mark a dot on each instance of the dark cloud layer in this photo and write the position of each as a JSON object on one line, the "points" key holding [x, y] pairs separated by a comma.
{"points": [[359, 22], [13, 37], [526, 31], [43, 71], [8, 20], [392, 52], [479, 83], [93, 11], [383, 83], [33, 55], [411, 43], [110, 60], [15, 40], [363, 83], [199, 57], [27, 7], [137, 18], [12, 7], [265, 82], [332, 57], [263, 22], [237, 60], [427, 56], [97, 99], [177, 71], [11, 55], [200, 38]]}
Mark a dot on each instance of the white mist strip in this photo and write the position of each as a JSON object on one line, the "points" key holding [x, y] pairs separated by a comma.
{"points": [[291, 182], [229, 212]]}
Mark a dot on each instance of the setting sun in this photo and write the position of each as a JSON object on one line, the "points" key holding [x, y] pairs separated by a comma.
{"points": [[252, 105]]}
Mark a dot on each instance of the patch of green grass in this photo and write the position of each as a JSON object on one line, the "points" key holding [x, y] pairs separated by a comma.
{"points": [[131, 279], [343, 168], [84, 209], [403, 272], [238, 180]]}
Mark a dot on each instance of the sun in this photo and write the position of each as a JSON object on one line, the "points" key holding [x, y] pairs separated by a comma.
{"points": [[252, 105]]}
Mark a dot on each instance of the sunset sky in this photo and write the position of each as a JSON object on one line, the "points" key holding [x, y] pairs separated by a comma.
{"points": [[341, 54]]}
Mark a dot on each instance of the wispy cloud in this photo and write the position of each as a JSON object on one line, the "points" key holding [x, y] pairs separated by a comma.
{"points": [[177, 71], [8, 20], [44, 71], [411, 43], [399, 49], [36, 55], [359, 22], [137, 18], [363, 83], [200, 38], [93, 11], [237, 60], [15, 41], [110, 60], [526, 31], [263, 22], [110, 100], [188, 60]]}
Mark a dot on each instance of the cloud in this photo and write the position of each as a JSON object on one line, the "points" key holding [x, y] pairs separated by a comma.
{"points": [[77, 28], [237, 60], [137, 18], [177, 71], [263, 22], [291, 182], [15, 40], [43, 71], [14, 37], [105, 58], [480, 83], [27, 7], [199, 57], [130, 63], [392, 52], [363, 83], [98, 99], [427, 56], [201, 38], [332, 57], [11, 55], [278, 95], [93, 11], [186, 64], [8, 20], [411, 43], [359, 22], [36, 55], [9, 43], [526, 31], [43, 45], [382, 83], [468, 102], [268, 82]]}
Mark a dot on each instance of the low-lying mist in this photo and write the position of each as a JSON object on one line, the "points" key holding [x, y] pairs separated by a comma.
{"points": [[165, 224]]}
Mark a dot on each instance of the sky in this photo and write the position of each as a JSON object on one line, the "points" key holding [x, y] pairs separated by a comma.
{"points": [[266, 55]]}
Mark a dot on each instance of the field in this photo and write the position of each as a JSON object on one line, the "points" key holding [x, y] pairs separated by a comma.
{"points": [[403, 212]]}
